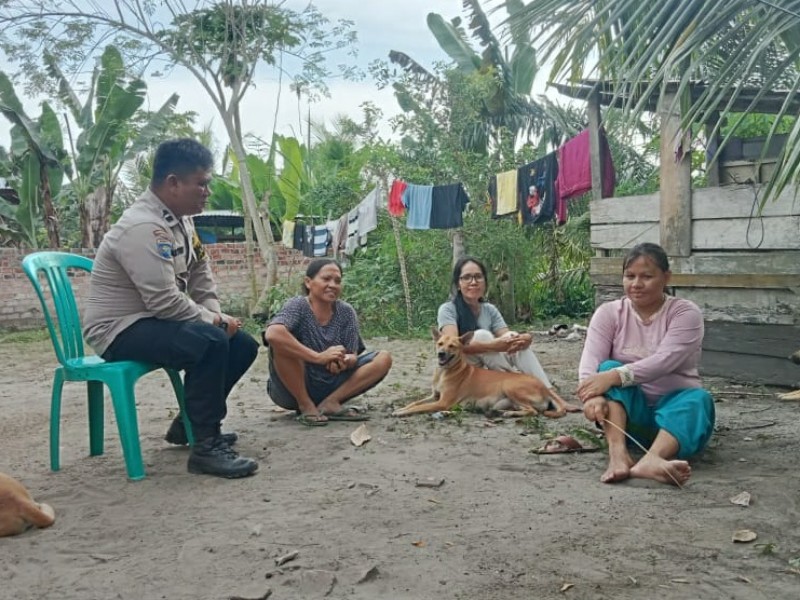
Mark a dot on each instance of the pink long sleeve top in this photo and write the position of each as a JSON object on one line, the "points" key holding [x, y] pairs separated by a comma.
{"points": [[663, 353]]}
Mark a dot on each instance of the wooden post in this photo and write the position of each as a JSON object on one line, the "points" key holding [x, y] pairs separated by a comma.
{"points": [[675, 180], [595, 151], [712, 139]]}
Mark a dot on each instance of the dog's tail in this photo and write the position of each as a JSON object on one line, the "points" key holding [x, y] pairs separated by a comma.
{"points": [[38, 515]]}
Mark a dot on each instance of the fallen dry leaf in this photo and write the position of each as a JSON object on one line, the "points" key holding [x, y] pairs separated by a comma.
{"points": [[360, 436], [742, 499], [566, 586], [743, 579], [418, 544], [679, 581], [430, 482], [282, 560], [744, 535]]}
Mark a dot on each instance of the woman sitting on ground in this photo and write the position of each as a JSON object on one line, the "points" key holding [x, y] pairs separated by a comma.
{"points": [[493, 345], [317, 358], [638, 373]]}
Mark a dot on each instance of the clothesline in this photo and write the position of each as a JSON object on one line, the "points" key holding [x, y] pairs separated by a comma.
{"points": [[536, 193]]}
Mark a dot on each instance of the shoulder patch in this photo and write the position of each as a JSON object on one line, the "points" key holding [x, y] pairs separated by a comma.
{"points": [[197, 246], [164, 249], [162, 235]]}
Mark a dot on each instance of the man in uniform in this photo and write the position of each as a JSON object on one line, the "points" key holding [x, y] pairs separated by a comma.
{"points": [[153, 298]]}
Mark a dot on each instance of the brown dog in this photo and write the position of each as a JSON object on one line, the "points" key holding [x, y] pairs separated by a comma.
{"points": [[456, 381], [18, 511]]}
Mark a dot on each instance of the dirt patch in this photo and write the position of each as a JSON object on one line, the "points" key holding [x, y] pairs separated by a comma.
{"points": [[505, 523]]}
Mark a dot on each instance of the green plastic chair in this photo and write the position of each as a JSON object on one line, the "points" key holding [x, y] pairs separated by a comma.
{"points": [[119, 376]]}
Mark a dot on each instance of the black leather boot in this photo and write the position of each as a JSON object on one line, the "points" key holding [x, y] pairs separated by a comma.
{"points": [[212, 456], [176, 434]]}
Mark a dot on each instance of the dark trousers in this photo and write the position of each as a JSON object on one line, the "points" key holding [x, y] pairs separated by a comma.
{"points": [[212, 362]]}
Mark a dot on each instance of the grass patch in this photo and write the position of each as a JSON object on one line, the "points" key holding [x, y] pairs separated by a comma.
{"points": [[25, 336]]}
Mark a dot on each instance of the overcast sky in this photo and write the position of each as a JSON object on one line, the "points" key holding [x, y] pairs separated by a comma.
{"points": [[382, 25]]}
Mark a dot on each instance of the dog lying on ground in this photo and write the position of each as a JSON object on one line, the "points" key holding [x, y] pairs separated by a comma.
{"points": [[456, 381], [18, 511]]}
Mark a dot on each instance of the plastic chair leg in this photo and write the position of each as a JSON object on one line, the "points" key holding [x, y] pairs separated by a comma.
{"points": [[94, 394], [55, 420], [125, 411], [177, 385]]}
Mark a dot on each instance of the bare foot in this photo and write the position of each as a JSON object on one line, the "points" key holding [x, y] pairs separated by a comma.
{"points": [[675, 472], [329, 408], [619, 467]]}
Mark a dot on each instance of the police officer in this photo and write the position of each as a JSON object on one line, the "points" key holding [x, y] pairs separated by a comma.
{"points": [[153, 298]]}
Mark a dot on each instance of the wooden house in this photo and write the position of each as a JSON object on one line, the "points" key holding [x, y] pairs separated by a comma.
{"points": [[739, 264]]}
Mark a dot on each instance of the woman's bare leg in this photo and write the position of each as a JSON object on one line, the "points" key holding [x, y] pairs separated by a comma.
{"points": [[658, 463], [619, 459], [362, 379], [292, 373]]}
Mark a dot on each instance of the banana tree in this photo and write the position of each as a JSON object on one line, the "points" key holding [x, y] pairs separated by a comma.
{"points": [[510, 109], [280, 193], [107, 138], [37, 159]]}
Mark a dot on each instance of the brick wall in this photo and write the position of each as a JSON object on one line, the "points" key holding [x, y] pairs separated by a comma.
{"points": [[20, 309]]}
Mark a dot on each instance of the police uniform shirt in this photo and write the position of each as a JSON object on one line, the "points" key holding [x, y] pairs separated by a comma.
{"points": [[149, 264]]}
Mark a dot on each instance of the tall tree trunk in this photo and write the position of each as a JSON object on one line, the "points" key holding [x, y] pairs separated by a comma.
{"points": [[458, 245], [266, 242], [94, 217], [249, 256], [401, 257], [50, 218]]}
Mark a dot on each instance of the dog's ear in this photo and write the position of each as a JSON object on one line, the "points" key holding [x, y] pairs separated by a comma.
{"points": [[466, 338], [435, 333]]}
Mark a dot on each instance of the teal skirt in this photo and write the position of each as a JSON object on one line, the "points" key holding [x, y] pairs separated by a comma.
{"points": [[687, 414]]}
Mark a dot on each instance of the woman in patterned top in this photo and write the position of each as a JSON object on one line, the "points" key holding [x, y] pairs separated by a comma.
{"points": [[317, 358]]}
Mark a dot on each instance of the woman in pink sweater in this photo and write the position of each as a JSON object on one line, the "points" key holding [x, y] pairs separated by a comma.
{"points": [[638, 373]]}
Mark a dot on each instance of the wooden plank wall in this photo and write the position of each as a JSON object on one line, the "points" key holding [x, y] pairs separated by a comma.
{"points": [[743, 272]]}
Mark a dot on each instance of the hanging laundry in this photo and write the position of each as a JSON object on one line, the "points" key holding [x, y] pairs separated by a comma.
{"points": [[417, 199], [287, 234], [339, 241], [447, 206], [321, 239], [503, 193], [299, 238], [308, 242], [575, 167], [368, 213], [537, 195], [396, 207], [352, 232]]}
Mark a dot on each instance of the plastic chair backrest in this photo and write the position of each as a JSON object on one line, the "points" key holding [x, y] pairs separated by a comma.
{"points": [[67, 337]]}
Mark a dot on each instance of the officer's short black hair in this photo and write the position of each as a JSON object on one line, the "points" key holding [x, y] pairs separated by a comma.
{"points": [[180, 157]]}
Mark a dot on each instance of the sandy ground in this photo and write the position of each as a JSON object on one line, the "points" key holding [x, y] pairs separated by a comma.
{"points": [[505, 523]]}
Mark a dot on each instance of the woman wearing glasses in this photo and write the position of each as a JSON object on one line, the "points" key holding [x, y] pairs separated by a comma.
{"points": [[493, 345]]}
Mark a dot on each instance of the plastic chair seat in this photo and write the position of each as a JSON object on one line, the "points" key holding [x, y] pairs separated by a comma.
{"points": [[119, 376]]}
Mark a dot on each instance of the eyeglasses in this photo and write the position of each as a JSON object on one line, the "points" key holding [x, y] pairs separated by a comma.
{"points": [[476, 277]]}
